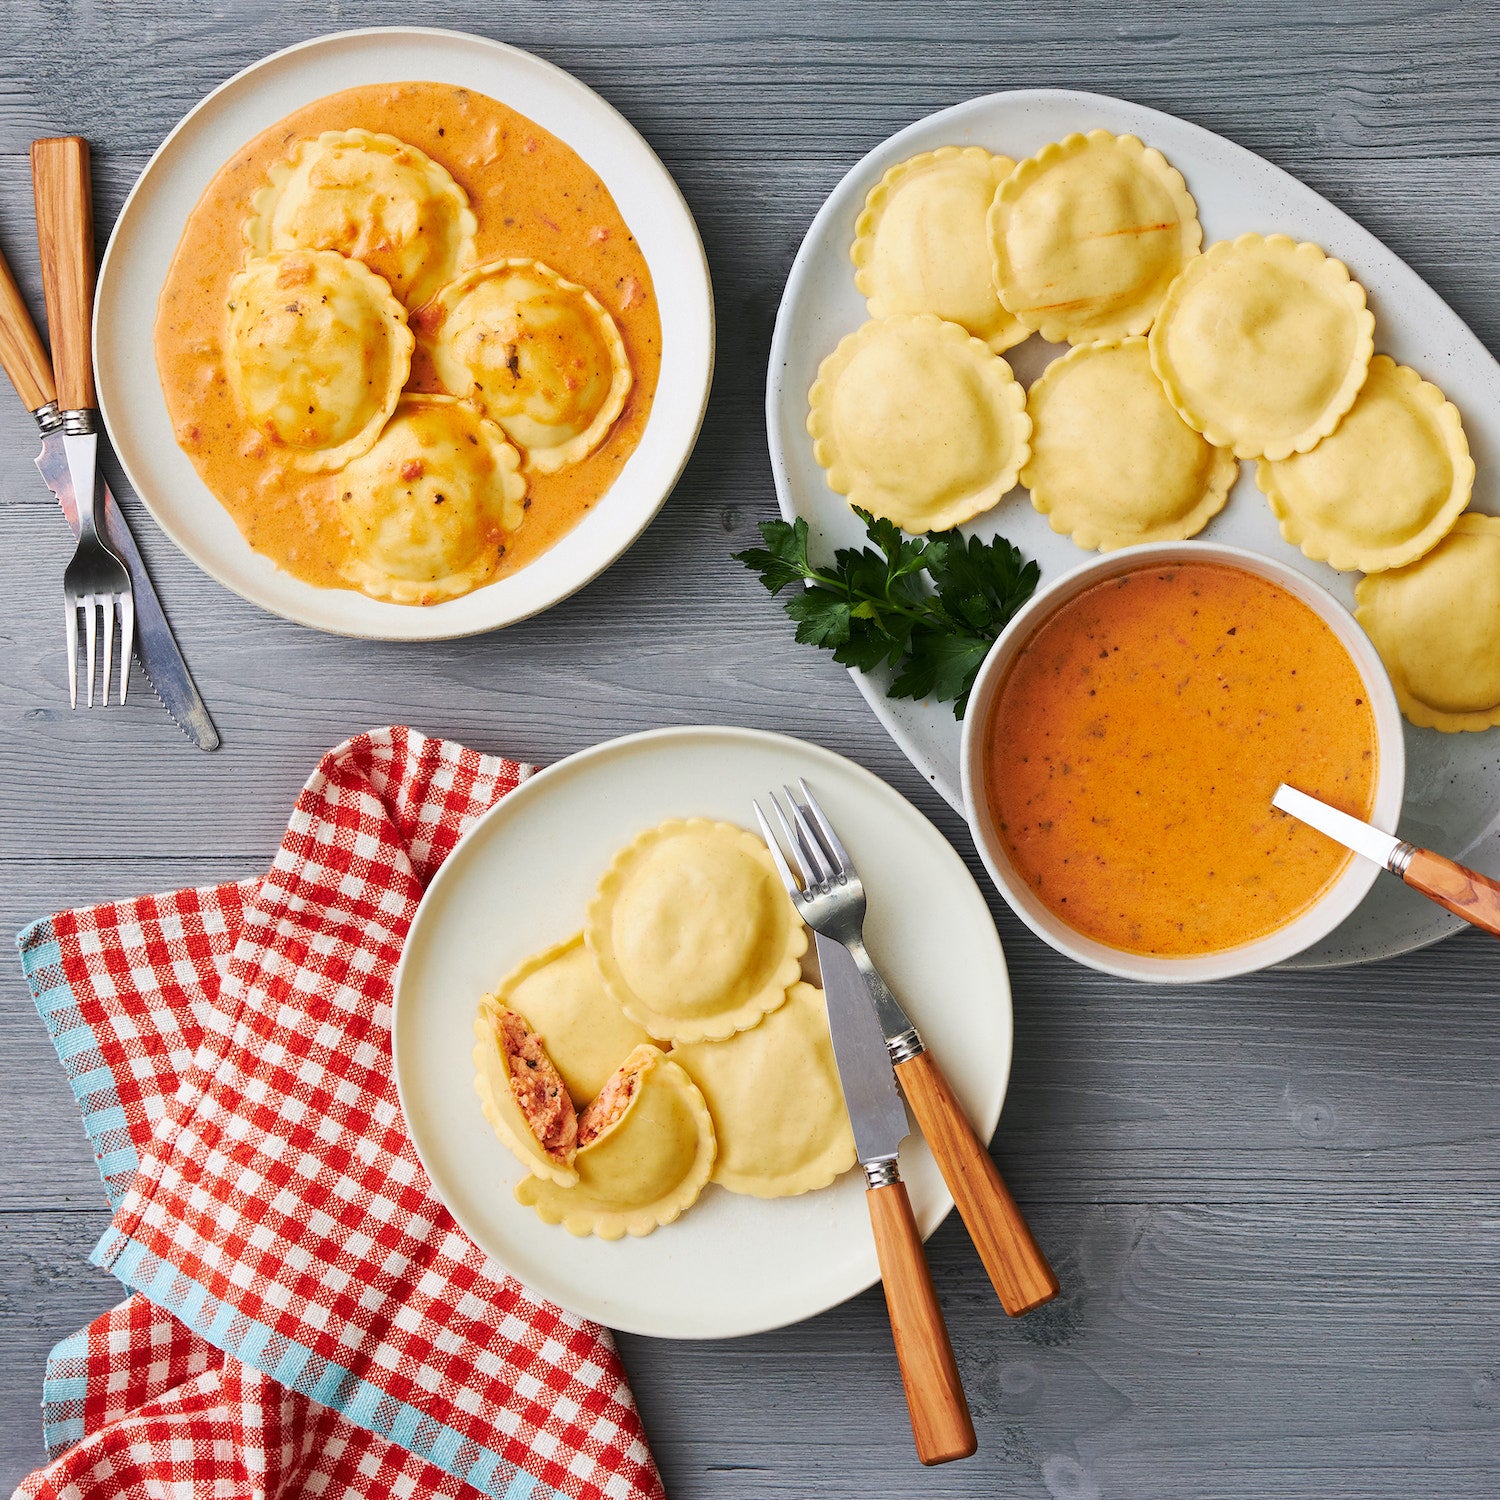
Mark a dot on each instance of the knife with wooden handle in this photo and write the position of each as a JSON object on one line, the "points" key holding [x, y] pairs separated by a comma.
{"points": [[24, 358]]}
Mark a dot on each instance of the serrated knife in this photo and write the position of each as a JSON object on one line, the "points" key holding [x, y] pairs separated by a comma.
{"points": [[25, 360], [1464, 892]]}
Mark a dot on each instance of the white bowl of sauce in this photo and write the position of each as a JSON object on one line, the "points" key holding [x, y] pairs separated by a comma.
{"points": [[1124, 738]]}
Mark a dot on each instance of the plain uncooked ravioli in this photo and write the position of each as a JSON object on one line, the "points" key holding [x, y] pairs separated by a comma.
{"points": [[922, 243], [317, 351], [426, 511], [644, 1168], [916, 420], [1436, 624], [1385, 486], [374, 198], [777, 1106], [1112, 464], [692, 931], [538, 354]]}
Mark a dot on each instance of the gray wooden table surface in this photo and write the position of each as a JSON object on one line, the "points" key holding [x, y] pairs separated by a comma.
{"points": [[1272, 1204]]}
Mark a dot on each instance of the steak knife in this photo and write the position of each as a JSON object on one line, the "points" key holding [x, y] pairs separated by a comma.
{"points": [[940, 1418], [25, 360]]}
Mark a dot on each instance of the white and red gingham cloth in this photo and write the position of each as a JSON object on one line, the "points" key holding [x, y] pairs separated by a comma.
{"points": [[307, 1319]]}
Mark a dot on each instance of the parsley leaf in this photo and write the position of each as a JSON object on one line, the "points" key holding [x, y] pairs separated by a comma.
{"points": [[930, 606]]}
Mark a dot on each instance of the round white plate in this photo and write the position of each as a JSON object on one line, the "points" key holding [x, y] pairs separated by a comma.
{"points": [[519, 881], [1451, 802], [151, 223]]}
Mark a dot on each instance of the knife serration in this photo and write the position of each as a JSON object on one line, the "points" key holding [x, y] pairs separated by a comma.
{"points": [[864, 1063], [156, 646]]}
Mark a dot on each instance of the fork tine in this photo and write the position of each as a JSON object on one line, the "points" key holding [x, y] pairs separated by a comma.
{"points": [[774, 845], [107, 609], [127, 641], [831, 841], [70, 619], [89, 634], [814, 861], [798, 853]]}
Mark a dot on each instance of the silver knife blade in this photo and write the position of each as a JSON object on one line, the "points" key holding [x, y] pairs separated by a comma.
{"points": [[1353, 833], [156, 647], [875, 1107]]}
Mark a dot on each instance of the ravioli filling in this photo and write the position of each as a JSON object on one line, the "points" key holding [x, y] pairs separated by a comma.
{"points": [[538, 1088], [609, 1106]]}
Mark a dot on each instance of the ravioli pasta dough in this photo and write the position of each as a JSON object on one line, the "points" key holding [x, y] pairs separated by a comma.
{"points": [[538, 354], [1436, 624], [1385, 486], [1112, 464], [372, 197], [428, 508], [916, 420], [317, 353], [692, 932], [522, 1095], [560, 994], [922, 243], [1263, 344], [645, 1150], [777, 1106], [1088, 234]]}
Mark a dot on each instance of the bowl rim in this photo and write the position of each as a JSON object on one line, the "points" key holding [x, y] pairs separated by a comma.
{"points": [[1326, 912]]}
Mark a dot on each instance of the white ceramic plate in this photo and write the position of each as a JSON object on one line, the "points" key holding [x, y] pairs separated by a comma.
{"points": [[1451, 802], [520, 880], [150, 225]]}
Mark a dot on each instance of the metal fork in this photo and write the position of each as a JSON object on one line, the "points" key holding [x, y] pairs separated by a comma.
{"points": [[96, 579], [830, 897]]}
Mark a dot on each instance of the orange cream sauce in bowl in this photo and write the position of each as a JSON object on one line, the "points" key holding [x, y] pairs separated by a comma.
{"points": [[1123, 741]]}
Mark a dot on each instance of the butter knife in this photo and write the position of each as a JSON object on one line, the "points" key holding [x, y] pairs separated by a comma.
{"points": [[25, 360]]}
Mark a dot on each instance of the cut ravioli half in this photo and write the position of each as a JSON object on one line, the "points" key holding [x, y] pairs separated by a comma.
{"points": [[371, 197], [1263, 344], [692, 931], [1385, 486], [645, 1151], [522, 1094], [922, 243], [1112, 464], [777, 1106], [427, 510], [1088, 234], [916, 420], [1436, 624], [587, 1034], [317, 351], [539, 355]]}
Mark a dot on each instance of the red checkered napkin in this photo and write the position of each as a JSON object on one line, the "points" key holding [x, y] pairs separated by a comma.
{"points": [[311, 1319]]}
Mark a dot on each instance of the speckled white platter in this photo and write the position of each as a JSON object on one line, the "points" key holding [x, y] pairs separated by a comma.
{"points": [[520, 880], [1453, 781]]}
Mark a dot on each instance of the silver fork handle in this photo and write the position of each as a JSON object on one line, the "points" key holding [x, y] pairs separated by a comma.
{"points": [[902, 1039]]}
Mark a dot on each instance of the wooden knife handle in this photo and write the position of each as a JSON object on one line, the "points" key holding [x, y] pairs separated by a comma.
{"points": [[1466, 893], [1017, 1268], [23, 355], [940, 1420], [65, 232]]}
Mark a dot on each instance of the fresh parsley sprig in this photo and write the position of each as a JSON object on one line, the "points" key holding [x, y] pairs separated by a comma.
{"points": [[876, 606]]}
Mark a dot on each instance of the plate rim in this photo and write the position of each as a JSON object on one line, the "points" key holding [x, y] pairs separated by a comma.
{"points": [[376, 631], [985, 1127], [783, 333]]}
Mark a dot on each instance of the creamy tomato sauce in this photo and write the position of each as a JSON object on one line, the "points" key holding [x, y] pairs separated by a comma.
{"points": [[1136, 742], [533, 197]]}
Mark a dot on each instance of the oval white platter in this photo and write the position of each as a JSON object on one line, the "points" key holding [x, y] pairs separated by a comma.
{"points": [[151, 223], [519, 881], [1452, 803]]}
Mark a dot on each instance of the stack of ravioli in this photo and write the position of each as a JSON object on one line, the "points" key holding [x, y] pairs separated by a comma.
{"points": [[1181, 363], [668, 1044], [355, 240]]}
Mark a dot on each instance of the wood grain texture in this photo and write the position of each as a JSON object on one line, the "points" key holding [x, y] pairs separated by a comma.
{"points": [[22, 353], [1271, 1204], [64, 204], [1464, 892], [940, 1424], [1015, 1264]]}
